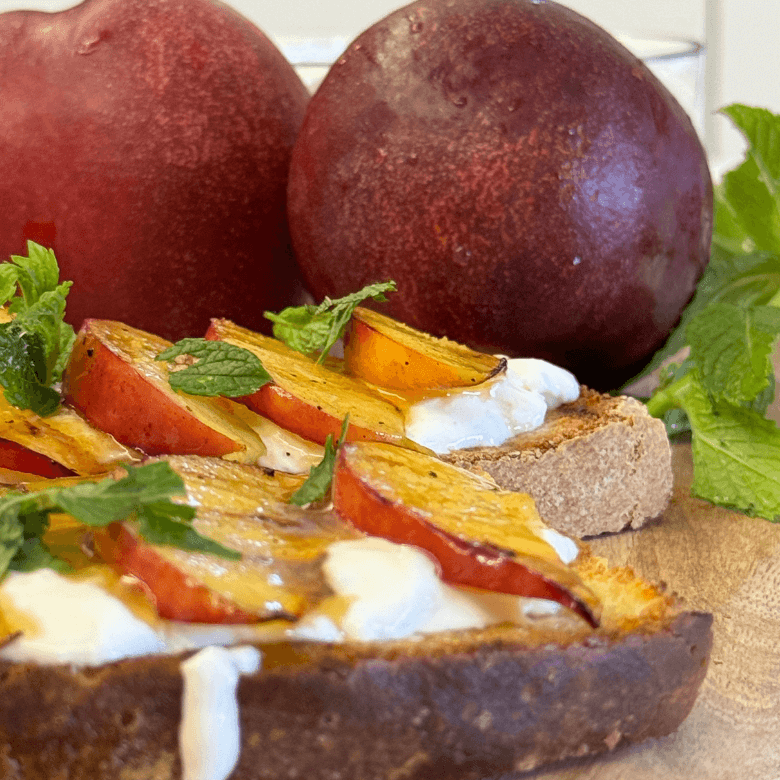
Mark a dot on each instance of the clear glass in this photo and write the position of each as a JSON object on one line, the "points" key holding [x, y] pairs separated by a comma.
{"points": [[679, 65]]}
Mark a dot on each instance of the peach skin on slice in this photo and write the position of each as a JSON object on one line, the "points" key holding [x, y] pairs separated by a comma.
{"points": [[64, 437], [309, 399], [114, 380], [389, 354], [279, 575], [17, 458], [480, 535]]}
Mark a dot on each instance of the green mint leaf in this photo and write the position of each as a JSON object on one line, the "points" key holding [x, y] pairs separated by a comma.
{"points": [[36, 298], [158, 525], [97, 504], [38, 272], [315, 329], [34, 554], [23, 371], [144, 493], [732, 347], [317, 485], [677, 423], [216, 368], [11, 538], [763, 400], [736, 455], [9, 282], [301, 328], [749, 196]]}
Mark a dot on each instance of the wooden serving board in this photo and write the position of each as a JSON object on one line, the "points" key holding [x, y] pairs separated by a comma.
{"points": [[728, 564]]}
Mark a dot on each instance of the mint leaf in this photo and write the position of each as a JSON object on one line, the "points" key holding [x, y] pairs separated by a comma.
{"points": [[214, 368], [732, 347], [34, 554], [751, 193], [97, 504], [736, 455], [23, 371], [158, 525], [736, 451], [31, 288], [144, 494], [317, 485], [315, 329], [11, 538], [36, 273], [301, 328]]}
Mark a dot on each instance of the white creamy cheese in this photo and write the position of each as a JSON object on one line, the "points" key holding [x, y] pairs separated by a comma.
{"points": [[72, 622], [495, 411], [285, 451], [396, 593], [209, 734], [68, 621], [566, 548]]}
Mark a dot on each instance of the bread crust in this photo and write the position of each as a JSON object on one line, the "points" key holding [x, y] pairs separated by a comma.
{"points": [[599, 464], [470, 706]]}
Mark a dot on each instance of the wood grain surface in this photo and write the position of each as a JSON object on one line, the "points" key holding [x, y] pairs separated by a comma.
{"points": [[728, 564]]}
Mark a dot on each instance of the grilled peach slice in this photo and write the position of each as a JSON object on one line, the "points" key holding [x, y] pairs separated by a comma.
{"points": [[17, 458], [279, 575], [64, 438], [481, 536], [309, 399], [389, 354], [114, 380]]}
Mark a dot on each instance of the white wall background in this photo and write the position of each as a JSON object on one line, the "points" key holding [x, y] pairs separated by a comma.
{"points": [[742, 39]]}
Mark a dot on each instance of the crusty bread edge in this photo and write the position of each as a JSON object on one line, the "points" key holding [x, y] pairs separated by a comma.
{"points": [[470, 706], [600, 464]]}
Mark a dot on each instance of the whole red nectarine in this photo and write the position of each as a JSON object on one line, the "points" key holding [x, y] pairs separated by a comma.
{"points": [[528, 183], [148, 142]]}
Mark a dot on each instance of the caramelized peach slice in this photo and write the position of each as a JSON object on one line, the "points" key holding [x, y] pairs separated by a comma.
{"points": [[389, 354], [481, 536], [309, 399], [242, 507], [17, 458], [114, 380], [64, 437]]}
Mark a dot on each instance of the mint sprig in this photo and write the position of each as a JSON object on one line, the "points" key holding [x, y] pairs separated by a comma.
{"points": [[317, 485], [216, 368], [315, 329], [722, 391], [144, 495], [35, 345]]}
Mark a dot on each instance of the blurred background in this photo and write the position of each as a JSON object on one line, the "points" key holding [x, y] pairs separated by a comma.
{"points": [[740, 38]]}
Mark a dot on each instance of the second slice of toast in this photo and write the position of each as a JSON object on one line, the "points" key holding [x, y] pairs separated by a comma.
{"points": [[597, 465]]}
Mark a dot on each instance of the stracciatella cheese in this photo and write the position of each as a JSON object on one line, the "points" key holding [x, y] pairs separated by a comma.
{"points": [[69, 621], [493, 412], [394, 592], [209, 734], [285, 451]]}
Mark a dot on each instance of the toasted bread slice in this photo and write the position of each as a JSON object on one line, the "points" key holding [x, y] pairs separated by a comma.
{"points": [[599, 464], [476, 704]]}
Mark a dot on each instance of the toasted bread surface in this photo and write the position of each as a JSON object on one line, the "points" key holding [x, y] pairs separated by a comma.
{"points": [[599, 464], [469, 705]]}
